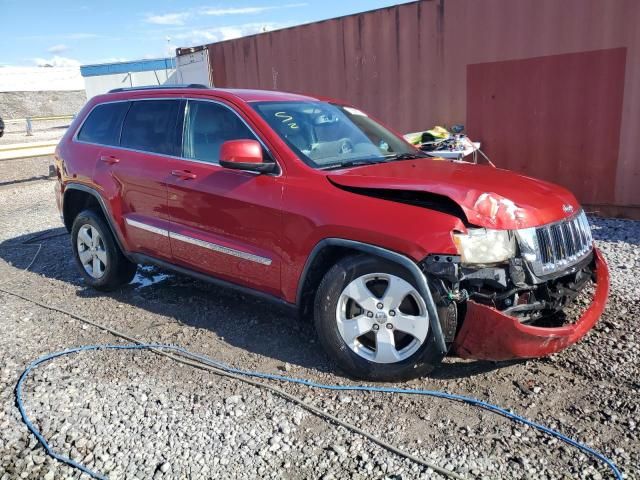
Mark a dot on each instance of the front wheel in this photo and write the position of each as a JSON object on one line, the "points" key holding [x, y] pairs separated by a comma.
{"points": [[373, 322]]}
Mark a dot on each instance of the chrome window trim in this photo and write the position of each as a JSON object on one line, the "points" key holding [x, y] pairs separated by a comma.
{"points": [[147, 227], [186, 99], [200, 243]]}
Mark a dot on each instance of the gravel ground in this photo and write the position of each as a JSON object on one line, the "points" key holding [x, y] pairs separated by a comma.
{"points": [[20, 105], [22, 170], [136, 415], [43, 131], [40, 104]]}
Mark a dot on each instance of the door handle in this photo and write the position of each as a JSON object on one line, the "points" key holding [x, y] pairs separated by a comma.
{"points": [[109, 159], [185, 174]]}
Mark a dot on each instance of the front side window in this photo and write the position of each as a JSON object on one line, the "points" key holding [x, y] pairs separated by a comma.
{"points": [[207, 126], [150, 126], [325, 135], [103, 124]]}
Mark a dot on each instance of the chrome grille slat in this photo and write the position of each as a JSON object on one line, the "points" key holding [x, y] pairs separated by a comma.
{"points": [[564, 247], [568, 237], [560, 245], [543, 244], [583, 238], [577, 244], [546, 234], [552, 245], [557, 245]]}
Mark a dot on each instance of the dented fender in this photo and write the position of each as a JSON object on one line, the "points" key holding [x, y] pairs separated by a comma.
{"points": [[488, 334]]}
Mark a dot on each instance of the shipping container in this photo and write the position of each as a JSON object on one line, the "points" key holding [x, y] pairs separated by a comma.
{"points": [[551, 89], [193, 66]]}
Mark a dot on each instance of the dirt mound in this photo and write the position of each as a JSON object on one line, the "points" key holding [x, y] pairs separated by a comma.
{"points": [[40, 104]]}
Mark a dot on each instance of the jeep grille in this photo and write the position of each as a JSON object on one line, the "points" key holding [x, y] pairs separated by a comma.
{"points": [[557, 246]]}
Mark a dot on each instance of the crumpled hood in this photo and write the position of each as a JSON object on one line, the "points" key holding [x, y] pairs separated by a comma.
{"points": [[490, 197]]}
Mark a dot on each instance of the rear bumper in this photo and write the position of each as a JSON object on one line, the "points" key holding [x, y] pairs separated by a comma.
{"points": [[488, 334], [58, 189]]}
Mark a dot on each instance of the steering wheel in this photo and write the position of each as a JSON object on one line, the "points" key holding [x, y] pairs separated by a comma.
{"points": [[345, 146]]}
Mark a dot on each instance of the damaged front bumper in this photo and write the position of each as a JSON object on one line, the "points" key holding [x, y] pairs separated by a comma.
{"points": [[488, 334]]}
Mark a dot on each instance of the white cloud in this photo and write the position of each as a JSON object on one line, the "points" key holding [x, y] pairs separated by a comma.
{"points": [[60, 36], [218, 34], [247, 10], [111, 60], [168, 18], [56, 61], [179, 18], [59, 48], [81, 36], [218, 12]]}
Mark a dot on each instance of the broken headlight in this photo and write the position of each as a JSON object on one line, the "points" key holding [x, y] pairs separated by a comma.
{"points": [[485, 246]]}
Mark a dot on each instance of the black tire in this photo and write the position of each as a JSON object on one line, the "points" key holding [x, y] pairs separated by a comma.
{"points": [[420, 363], [118, 270]]}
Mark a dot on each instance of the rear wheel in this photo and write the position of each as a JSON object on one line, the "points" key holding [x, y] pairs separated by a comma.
{"points": [[372, 320], [102, 264]]}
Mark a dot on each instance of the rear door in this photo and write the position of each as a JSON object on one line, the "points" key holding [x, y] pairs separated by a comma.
{"points": [[138, 168], [225, 223]]}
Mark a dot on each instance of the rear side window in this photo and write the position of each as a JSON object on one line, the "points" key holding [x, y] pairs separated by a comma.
{"points": [[150, 126], [103, 124]]}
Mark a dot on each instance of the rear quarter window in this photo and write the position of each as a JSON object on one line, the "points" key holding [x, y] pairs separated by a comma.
{"points": [[103, 124], [151, 126]]}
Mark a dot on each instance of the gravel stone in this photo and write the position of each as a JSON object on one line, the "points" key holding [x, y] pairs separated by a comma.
{"points": [[233, 400], [340, 450]]}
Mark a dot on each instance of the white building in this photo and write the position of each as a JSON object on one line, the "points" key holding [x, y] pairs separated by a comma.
{"points": [[101, 78]]}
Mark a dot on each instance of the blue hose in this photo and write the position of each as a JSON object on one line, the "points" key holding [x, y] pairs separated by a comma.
{"points": [[222, 366]]}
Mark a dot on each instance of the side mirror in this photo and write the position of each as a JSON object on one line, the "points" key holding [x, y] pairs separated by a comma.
{"points": [[244, 155]]}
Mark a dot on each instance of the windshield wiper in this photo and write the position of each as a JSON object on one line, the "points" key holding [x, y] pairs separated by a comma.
{"points": [[352, 163], [387, 158], [406, 156]]}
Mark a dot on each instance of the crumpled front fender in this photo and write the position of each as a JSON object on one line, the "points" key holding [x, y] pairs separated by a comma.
{"points": [[488, 334]]}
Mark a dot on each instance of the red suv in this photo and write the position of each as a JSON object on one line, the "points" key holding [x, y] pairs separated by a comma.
{"points": [[399, 258]]}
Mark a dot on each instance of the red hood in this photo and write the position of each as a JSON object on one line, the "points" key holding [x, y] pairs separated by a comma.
{"points": [[490, 197]]}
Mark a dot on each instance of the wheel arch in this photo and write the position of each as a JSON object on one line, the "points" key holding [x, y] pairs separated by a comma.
{"points": [[330, 250], [78, 197]]}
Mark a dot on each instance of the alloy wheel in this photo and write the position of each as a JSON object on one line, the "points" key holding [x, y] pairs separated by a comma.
{"points": [[91, 251], [382, 318]]}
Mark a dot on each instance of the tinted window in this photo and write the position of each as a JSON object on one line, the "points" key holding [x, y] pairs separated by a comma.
{"points": [[151, 126], [208, 126], [103, 124]]}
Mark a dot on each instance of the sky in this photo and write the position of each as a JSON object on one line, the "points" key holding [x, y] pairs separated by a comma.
{"points": [[81, 32]]}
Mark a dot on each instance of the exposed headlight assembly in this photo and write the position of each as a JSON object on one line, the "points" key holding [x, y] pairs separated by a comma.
{"points": [[484, 246]]}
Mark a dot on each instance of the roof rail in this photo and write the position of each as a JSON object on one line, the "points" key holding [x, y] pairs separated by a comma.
{"points": [[157, 87]]}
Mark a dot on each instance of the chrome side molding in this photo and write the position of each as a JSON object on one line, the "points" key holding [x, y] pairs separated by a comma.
{"points": [[147, 227], [200, 243]]}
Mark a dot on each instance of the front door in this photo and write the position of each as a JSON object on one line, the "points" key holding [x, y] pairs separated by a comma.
{"points": [[224, 223]]}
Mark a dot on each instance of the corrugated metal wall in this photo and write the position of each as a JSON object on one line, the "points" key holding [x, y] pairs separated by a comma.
{"points": [[552, 88]]}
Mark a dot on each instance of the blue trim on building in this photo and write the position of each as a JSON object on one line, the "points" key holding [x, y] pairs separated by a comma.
{"points": [[126, 67]]}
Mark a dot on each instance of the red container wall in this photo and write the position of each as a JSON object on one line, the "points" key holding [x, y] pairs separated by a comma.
{"points": [[552, 92]]}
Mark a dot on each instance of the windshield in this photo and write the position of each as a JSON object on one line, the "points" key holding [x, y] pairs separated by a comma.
{"points": [[325, 135]]}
